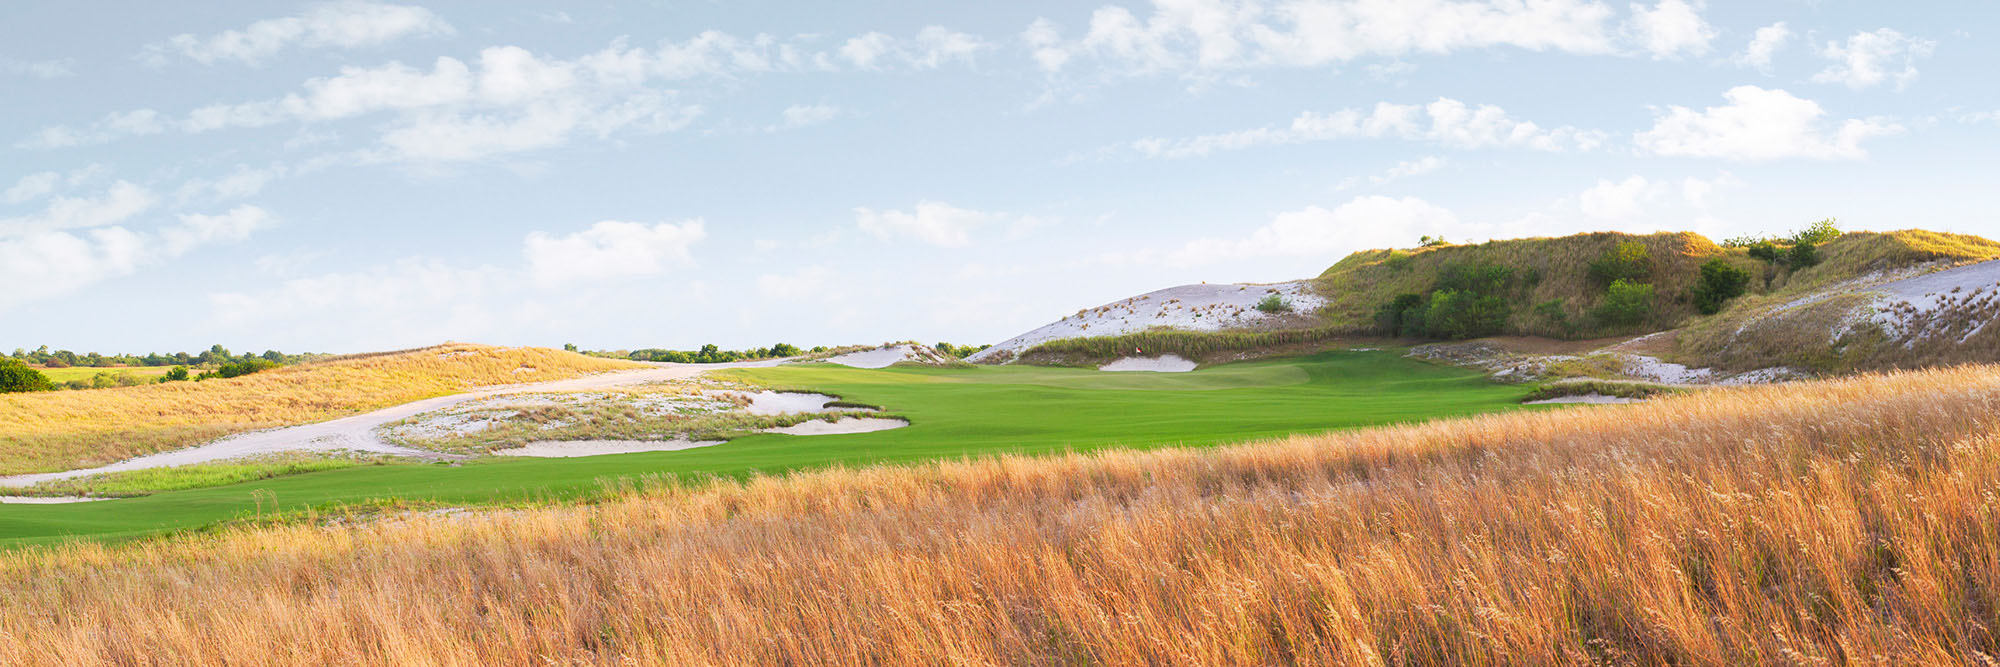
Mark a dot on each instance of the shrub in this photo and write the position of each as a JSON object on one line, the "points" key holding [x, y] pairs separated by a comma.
{"points": [[1629, 261], [1803, 255], [785, 350], [1399, 314], [1476, 277], [175, 374], [1457, 314], [238, 369], [56, 362], [1274, 304], [1553, 312], [1625, 303], [1428, 241], [17, 377], [1767, 251], [1818, 233], [1719, 282]]}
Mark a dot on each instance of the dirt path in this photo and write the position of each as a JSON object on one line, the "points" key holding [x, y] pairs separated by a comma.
{"points": [[357, 433]]}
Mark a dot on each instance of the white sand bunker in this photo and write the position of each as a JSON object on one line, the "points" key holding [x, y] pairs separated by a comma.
{"points": [[573, 448], [888, 355], [1166, 363], [47, 500], [848, 425], [1187, 307], [1594, 399], [785, 402]]}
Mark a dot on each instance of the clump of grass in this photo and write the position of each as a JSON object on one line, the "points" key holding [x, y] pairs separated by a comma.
{"points": [[1274, 304], [65, 430], [1636, 390]]}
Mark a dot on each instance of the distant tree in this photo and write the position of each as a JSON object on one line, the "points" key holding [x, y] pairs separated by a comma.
{"points": [[274, 356], [1720, 281], [1429, 241], [56, 362], [1818, 233], [569, 347], [784, 350], [175, 374], [18, 377]]}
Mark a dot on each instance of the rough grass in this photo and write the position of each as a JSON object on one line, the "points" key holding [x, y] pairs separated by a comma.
{"points": [[1195, 345], [1837, 522], [1601, 388], [65, 430]]}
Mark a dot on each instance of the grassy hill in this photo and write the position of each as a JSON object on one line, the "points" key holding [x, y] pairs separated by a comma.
{"points": [[1842, 521], [63, 430]]}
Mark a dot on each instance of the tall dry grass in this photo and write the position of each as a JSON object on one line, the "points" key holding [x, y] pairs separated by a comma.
{"points": [[1843, 522], [75, 429]]}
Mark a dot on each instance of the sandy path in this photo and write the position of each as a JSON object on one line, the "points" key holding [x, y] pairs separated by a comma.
{"points": [[357, 433]]}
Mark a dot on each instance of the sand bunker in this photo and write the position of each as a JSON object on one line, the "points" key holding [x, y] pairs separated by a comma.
{"points": [[848, 425], [785, 402], [1166, 363], [47, 500], [1594, 399], [575, 448]]}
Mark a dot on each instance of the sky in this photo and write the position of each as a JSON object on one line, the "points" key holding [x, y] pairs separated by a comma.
{"points": [[353, 176]]}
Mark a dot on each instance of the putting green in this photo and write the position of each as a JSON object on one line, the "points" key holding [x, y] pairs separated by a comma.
{"points": [[953, 412]]}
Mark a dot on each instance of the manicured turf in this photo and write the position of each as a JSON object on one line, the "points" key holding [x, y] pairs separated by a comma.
{"points": [[953, 413]]}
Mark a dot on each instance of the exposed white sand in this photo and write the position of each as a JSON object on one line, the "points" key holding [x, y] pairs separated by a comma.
{"points": [[357, 433], [847, 425], [1166, 363], [1190, 307], [47, 500], [887, 355], [785, 402], [1595, 399], [575, 448]]}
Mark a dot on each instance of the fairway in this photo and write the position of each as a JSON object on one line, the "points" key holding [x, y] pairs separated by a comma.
{"points": [[953, 412]]}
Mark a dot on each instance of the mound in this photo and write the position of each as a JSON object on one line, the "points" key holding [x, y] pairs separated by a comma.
{"points": [[64, 430], [889, 355], [1204, 307]]}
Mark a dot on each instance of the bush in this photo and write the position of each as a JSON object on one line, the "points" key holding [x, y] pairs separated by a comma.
{"points": [[175, 374], [1274, 304], [1767, 251], [1457, 314], [1629, 261], [1818, 233], [1803, 255], [1553, 312], [238, 369], [1625, 303], [1719, 282], [18, 377], [1400, 315], [785, 350]]}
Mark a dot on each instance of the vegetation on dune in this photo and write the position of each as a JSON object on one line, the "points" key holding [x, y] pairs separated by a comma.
{"points": [[64, 430], [1196, 345], [1618, 389], [1848, 523], [708, 354]]}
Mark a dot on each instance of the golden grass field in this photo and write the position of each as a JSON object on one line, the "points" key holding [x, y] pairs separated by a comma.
{"points": [[64, 430], [1849, 521]]}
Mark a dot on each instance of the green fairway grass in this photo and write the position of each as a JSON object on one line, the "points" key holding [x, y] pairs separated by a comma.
{"points": [[953, 412]]}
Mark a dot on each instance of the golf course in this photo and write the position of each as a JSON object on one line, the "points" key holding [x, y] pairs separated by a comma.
{"points": [[953, 412]]}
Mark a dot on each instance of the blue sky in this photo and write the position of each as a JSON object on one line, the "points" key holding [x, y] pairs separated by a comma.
{"points": [[351, 176]]}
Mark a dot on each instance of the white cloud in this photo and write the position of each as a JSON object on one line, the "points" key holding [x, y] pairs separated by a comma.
{"points": [[1620, 200], [348, 24], [1670, 29], [42, 264], [1372, 221], [1759, 124], [936, 46], [805, 115], [936, 223], [411, 302], [245, 181], [1870, 58], [40, 69], [815, 281], [1203, 37], [1444, 122], [1763, 46], [31, 187], [611, 249], [119, 203]]}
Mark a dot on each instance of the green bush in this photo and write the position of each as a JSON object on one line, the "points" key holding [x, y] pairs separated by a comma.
{"points": [[1818, 233], [1274, 304], [1625, 303], [175, 374], [1720, 281], [1397, 317], [17, 377], [1803, 255], [237, 369], [1457, 315], [1767, 251], [1553, 312], [1629, 261]]}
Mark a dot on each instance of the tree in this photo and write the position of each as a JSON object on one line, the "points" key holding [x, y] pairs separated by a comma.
{"points": [[1803, 255], [1720, 281], [1818, 233], [274, 356], [17, 377], [569, 347], [785, 350]]}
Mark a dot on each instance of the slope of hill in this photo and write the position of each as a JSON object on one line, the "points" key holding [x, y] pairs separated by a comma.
{"points": [[1845, 521], [1849, 302], [1203, 307], [51, 431]]}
